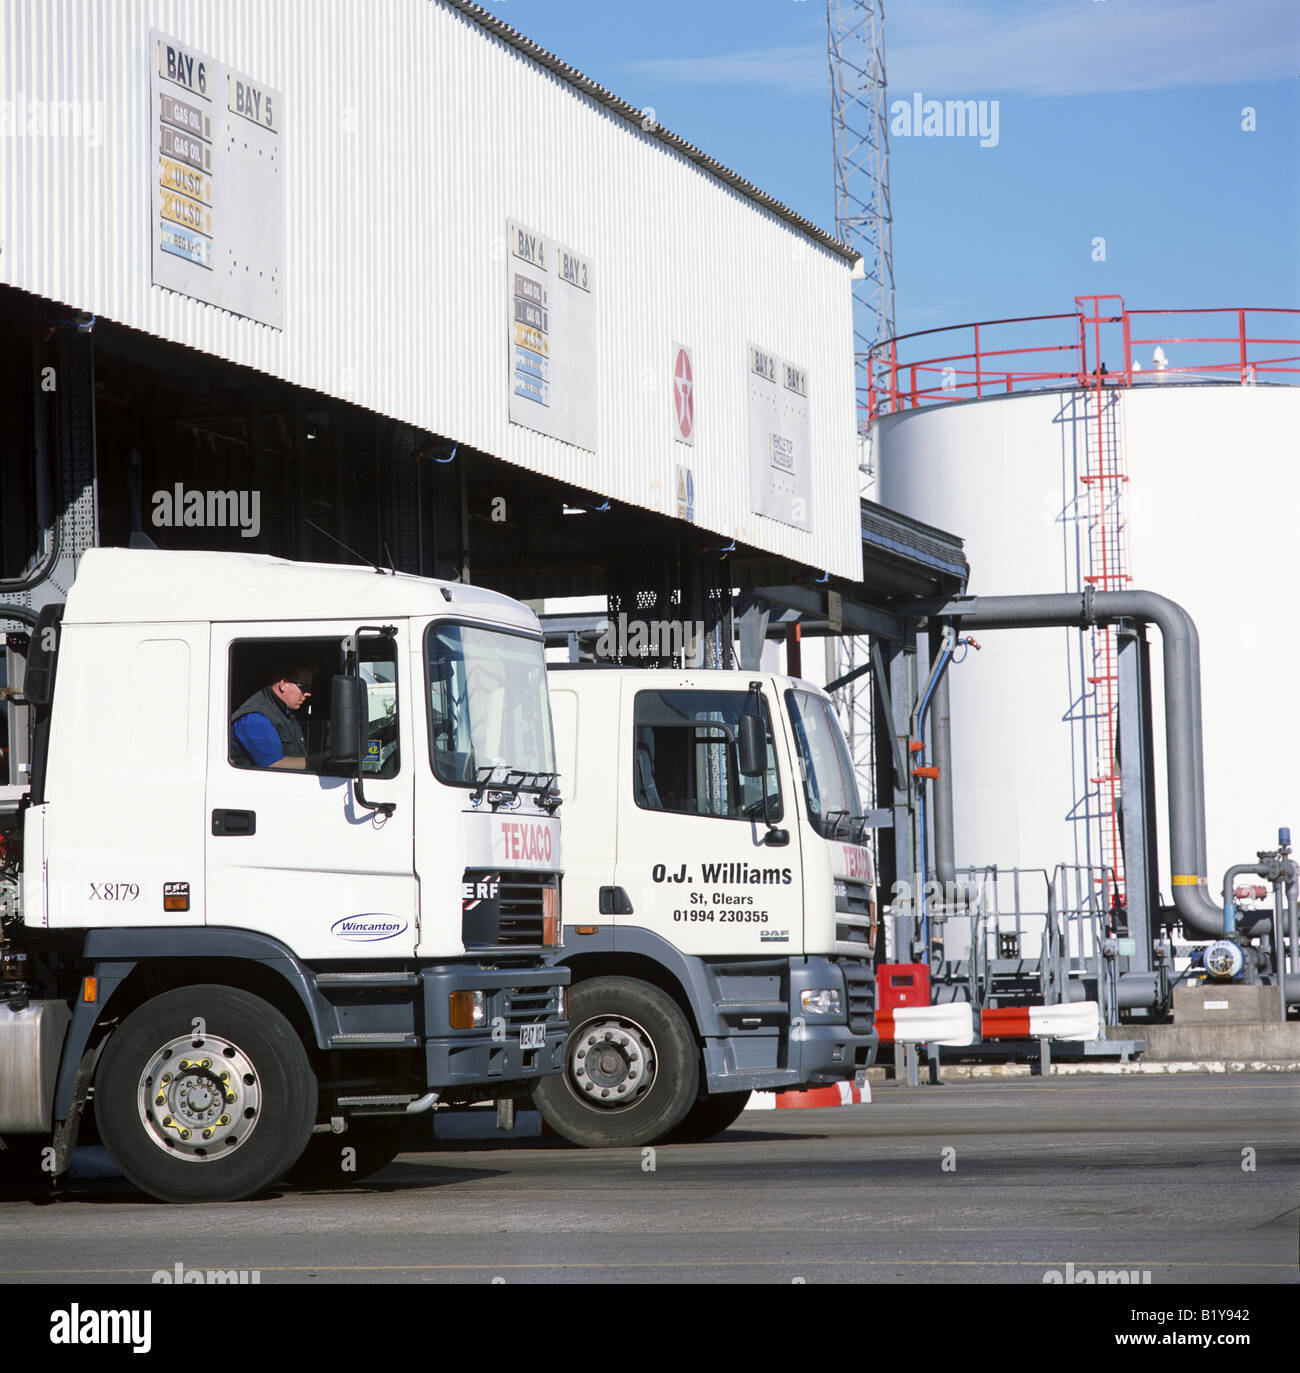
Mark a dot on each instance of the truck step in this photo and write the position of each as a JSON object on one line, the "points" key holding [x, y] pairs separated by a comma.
{"points": [[401, 1099], [364, 979], [745, 1010], [383, 1038]]}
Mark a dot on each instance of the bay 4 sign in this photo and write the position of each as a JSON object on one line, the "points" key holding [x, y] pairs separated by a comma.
{"points": [[551, 324]]}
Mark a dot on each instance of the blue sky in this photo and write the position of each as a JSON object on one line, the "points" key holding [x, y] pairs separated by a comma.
{"points": [[1116, 119]]}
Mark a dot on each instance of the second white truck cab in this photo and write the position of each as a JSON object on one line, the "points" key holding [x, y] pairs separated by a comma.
{"points": [[719, 902]]}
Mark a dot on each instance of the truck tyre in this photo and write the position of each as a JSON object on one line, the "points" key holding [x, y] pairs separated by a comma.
{"points": [[374, 1142], [708, 1117], [631, 1067], [205, 1094]]}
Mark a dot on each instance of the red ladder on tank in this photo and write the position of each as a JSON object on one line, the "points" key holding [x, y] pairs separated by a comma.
{"points": [[1105, 479]]}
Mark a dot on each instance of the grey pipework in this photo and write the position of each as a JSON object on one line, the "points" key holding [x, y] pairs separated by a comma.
{"points": [[1292, 891], [1186, 775], [1229, 882], [945, 861]]}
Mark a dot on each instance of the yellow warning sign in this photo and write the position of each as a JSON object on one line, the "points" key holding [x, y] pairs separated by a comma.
{"points": [[685, 493]]}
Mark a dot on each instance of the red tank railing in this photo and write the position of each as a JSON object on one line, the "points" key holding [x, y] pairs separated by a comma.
{"points": [[1033, 352]]}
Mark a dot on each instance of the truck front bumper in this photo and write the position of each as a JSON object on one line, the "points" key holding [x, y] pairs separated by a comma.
{"points": [[797, 1047], [517, 1003]]}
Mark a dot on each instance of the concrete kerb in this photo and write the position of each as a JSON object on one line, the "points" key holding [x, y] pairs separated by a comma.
{"points": [[1092, 1069]]}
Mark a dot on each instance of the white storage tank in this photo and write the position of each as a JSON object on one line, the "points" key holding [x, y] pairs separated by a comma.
{"points": [[1206, 513]]}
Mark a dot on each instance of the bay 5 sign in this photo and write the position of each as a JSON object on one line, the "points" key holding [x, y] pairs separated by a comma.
{"points": [[683, 389]]}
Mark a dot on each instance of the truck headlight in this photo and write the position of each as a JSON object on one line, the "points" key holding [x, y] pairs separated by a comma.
{"points": [[467, 1010], [820, 1001], [551, 929]]}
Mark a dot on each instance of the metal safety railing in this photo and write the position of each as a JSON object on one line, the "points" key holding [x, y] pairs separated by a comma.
{"points": [[1029, 352], [1031, 931]]}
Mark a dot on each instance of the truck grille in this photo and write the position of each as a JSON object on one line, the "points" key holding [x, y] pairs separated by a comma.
{"points": [[503, 909], [529, 1006], [852, 898], [860, 983], [853, 923]]}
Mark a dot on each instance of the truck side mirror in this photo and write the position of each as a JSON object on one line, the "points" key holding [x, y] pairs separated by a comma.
{"points": [[347, 707], [752, 746], [42, 655]]}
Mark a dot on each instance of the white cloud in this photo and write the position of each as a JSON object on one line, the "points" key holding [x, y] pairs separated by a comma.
{"points": [[791, 71], [1035, 47], [1081, 47]]}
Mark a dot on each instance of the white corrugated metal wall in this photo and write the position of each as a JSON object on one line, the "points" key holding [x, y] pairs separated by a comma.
{"points": [[410, 137]]}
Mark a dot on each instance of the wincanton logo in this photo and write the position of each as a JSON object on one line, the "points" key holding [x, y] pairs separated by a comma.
{"points": [[367, 928]]}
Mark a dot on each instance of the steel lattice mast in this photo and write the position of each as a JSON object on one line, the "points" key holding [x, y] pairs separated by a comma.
{"points": [[859, 123]]}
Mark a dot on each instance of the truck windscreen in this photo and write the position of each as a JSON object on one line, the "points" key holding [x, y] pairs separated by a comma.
{"points": [[489, 715], [829, 785]]}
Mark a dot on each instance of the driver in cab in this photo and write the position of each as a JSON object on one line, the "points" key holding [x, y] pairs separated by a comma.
{"points": [[264, 731]]}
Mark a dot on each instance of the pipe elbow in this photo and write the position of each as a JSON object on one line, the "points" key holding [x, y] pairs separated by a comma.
{"points": [[1198, 912]]}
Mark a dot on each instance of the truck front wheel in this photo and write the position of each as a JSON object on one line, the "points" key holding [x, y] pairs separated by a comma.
{"points": [[205, 1094], [369, 1144], [710, 1116], [631, 1067]]}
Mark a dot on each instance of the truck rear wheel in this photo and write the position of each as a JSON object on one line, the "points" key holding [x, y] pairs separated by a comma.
{"points": [[369, 1144], [631, 1067], [708, 1117], [205, 1094]]}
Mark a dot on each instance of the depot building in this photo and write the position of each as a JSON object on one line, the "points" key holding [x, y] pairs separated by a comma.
{"points": [[395, 285]]}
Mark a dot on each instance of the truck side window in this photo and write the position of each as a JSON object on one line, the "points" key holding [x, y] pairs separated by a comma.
{"points": [[684, 757], [280, 698], [377, 664]]}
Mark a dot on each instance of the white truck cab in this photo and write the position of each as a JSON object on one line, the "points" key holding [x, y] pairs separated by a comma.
{"points": [[719, 908], [254, 963]]}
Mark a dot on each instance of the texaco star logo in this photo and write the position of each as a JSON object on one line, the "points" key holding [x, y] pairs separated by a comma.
{"points": [[684, 394]]}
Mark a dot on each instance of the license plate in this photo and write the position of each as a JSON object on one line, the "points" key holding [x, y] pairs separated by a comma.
{"points": [[532, 1036], [860, 1078]]}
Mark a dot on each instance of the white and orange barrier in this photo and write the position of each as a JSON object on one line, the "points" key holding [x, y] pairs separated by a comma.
{"points": [[951, 1024], [838, 1094], [1074, 1020]]}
